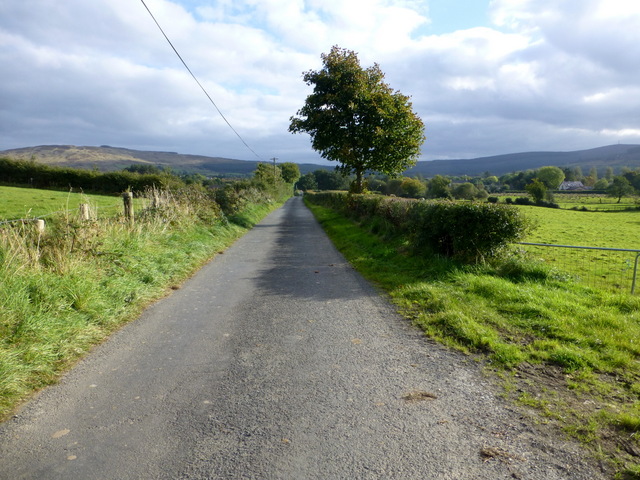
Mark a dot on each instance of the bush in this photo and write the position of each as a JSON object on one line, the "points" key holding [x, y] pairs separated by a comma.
{"points": [[235, 196], [523, 201], [493, 199], [547, 204], [470, 232]]}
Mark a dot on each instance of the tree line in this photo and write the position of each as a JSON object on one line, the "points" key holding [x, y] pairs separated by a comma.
{"points": [[540, 183], [231, 195]]}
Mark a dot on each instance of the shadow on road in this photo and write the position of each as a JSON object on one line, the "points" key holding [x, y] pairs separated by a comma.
{"points": [[304, 262]]}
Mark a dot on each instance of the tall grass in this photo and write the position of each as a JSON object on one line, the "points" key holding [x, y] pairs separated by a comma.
{"points": [[64, 290]]}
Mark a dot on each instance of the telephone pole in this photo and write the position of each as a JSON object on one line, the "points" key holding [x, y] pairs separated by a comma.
{"points": [[274, 171]]}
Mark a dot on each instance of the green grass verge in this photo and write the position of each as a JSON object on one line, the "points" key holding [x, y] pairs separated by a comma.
{"points": [[568, 350], [65, 291]]}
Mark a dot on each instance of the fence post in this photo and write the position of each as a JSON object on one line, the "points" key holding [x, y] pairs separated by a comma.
{"points": [[84, 212], [635, 274], [40, 225], [127, 198]]}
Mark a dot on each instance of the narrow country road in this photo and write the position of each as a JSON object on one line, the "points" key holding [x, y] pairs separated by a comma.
{"points": [[278, 361]]}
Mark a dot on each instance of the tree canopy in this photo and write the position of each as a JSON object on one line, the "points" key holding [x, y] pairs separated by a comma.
{"points": [[537, 189], [619, 188], [356, 119], [290, 172], [552, 177]]}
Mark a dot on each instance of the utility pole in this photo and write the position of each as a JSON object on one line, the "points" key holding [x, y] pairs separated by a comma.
{"points": [[274, 171]]}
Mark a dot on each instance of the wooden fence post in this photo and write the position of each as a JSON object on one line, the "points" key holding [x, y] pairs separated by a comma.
{"points": [[84, 212], [127, 198]]}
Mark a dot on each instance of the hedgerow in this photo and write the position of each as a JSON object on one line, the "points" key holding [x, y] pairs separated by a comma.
{"points": [[38, 175], [470, 232]]}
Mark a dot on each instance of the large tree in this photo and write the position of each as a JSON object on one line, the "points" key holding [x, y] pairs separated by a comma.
{"points": [[356, 119], [290, 172], [620, 187], [537, 189], [552, 177], [439, 187]]}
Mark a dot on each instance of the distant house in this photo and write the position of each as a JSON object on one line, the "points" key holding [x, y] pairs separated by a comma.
{"points": [[573, 186]]}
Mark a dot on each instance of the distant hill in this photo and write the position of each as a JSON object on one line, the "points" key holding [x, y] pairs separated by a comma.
{"points": [[106, 158], [615, 156]]}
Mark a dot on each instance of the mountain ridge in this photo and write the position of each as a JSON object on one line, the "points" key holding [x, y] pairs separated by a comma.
{"points": [[615, 156], [108, 158]]}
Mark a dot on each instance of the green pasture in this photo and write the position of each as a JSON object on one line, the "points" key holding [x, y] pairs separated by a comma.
{"points": [[605, 229], [594, 201], [589, 201], [590, 229], [18, 203]]}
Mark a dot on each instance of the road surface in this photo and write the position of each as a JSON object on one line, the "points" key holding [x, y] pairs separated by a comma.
{"points": [[278, 361]]}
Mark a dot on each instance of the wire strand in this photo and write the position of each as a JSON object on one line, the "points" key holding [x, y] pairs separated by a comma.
{"points": [[198, 82]]}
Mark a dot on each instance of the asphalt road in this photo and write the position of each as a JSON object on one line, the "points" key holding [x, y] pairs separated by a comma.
{"points": [[278, 361]]}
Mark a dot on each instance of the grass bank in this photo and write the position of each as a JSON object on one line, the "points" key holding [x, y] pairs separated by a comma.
{"points": [[65, 290], [567, 351]]}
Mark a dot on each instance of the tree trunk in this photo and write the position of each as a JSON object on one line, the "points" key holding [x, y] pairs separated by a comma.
{"points": [[358, 188]]}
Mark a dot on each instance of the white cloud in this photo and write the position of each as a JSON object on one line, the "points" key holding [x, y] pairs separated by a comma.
{"points": [[547, 75], [625, 132]]}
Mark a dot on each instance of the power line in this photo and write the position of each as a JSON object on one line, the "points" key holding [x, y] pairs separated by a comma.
{"points": [[199, 84]]}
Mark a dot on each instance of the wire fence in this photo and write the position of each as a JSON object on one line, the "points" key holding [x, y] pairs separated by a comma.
{"points": [[614, 269], [97, 212]]}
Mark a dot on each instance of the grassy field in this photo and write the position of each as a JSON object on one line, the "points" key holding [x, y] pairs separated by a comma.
{"points": [[594, 229], [561, 349], [16, 203], [608, 229], [589, 201], [595, 202]]}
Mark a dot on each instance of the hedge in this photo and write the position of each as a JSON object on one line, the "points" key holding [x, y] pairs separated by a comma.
{"points": [[38, 175], [471, 232]]}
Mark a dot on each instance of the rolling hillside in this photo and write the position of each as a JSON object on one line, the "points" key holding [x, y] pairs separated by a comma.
{"points": [[106, 158], [616, 156]]}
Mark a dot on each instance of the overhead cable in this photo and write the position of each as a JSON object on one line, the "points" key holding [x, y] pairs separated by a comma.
{"points": [[198, 82]]}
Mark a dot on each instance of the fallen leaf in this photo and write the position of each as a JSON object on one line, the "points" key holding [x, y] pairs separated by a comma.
{"points": [[418, 395]]}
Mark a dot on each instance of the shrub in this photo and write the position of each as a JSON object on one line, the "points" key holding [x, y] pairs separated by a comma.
{"points": [[470, 232], [493, 199], [523, 201], [236, 196]]}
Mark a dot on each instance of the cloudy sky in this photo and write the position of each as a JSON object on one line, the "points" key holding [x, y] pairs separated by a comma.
{"points": [[486, 76]]}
